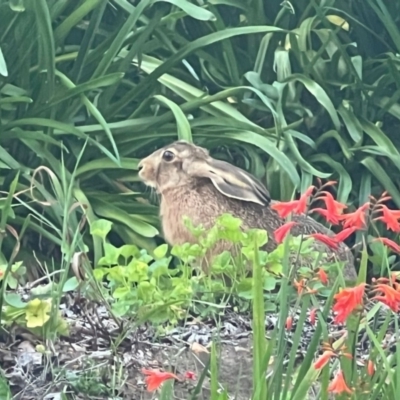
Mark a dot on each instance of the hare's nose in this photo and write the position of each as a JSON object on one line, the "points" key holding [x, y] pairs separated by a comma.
{"points": [[140, 166]]}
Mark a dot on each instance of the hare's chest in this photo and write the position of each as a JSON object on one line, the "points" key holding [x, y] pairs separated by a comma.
{"points": [[174, 210]]}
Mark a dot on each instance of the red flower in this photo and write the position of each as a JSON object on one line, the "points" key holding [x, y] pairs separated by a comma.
{"points": [[355, 219], [329, 241], [190, 375], [295, 206], [313, 314], [344, 234], [284, 209], [332, 218], [323, 277], [155, 378], [302, 205], [389, 243], [334, 241], [390, 296], [346, 302], [338, 384], [390, 218], [281, 232], [333, 208], [289, 323], [370, 368], [324, 359]]}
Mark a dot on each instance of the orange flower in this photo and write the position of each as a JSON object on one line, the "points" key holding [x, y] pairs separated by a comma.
{"points": [[389, 243], [370, 368], [284, 209], [344, 234], [390, 296], [300, 286], [346, 302], [334, 241], [281, 232], [332, 218], [338, 384], [324, 359], [155, 378], [390, 218], [355, 219], [302, 205], [313, 314], [333, 208], [323, 277], [289, 323], [295, 206], [329, 241]]}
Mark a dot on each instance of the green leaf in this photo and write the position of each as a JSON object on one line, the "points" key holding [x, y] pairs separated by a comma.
{"points": [[72, 20], [17, 6], [380, 174], [121, 292], [132, 221], [320, 95], [46, 44], [383, 142], [345, 181], [191, 10], [270, 148], [129, 250], [307, 167], [189, 92], [119, 38], [63, 128], [106, 163], [15, 300], [352, 123], [184, 130], [160, 251], [71, 284], [101, 228], [3, 65], [104, 81], [269, 283], [185, 51], [73, 90]]}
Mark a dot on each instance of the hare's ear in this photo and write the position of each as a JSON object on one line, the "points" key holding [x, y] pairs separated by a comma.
{"points": [[229, 180]]}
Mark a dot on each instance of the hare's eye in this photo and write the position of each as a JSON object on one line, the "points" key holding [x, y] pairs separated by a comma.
{"points": [[168, 156]]}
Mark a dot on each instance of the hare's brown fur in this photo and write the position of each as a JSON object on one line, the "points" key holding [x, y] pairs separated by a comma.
{"points": [[197, 197]]}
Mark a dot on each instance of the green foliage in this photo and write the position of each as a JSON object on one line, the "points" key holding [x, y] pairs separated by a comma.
{"points": [[290, 93], [149, 287], [5, 391], [34, 315]]}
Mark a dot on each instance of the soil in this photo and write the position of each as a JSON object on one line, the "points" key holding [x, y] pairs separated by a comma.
{"points": [[88, 365], [84, 364]]}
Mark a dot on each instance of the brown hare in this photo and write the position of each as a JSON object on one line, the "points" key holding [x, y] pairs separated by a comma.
{"points": [[193, 184]]}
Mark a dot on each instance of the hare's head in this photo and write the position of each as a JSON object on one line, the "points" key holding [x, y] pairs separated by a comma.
{"points": [[182, 163]]}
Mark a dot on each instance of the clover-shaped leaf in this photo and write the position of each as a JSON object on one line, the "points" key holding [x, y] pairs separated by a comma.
{"points": [[160, 251], [100, 228]]}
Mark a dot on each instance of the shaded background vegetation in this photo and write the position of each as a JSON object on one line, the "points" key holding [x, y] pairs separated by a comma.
{"points": [[289, 91]]}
